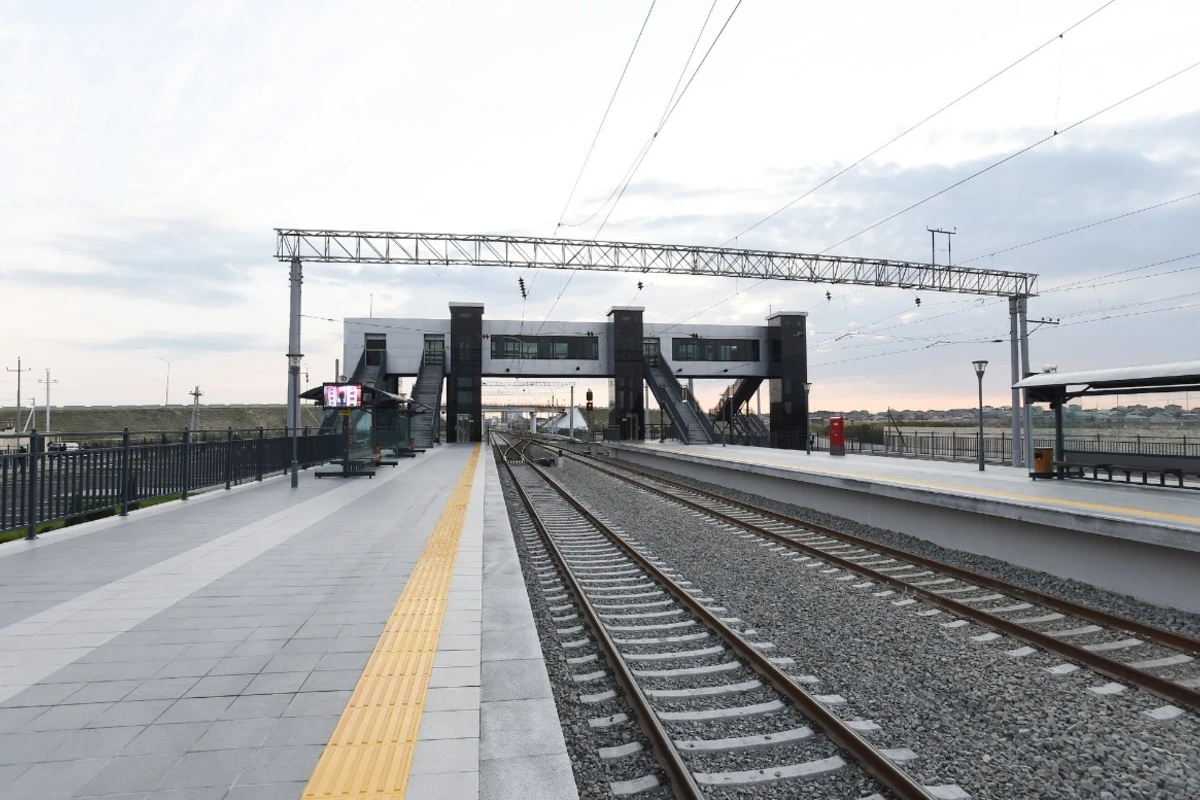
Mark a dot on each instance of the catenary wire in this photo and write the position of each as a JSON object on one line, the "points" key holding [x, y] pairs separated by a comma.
{"points": [[1015, 154], [604, 118], [1080, 228], [909, 130]]}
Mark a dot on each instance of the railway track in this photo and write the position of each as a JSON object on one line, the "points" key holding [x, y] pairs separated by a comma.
{"points": [[718, 713], [1129, 652]]}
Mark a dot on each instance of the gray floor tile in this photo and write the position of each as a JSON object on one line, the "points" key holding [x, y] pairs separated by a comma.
{"points": [[510, 644], [317, 704], [448, 784], [176, 737], [219, 686], [201, 793], [296, 662], [105, 692], [442, 677], [332, 680], [95, 743], [14, 719], [44, 694], [281, 764], [449, 725], [215, 768], [356, 661], [129, 774], [196, 709], [529, 778], [515, 680], [264, 791], [457, 698], [234, 734], [66, 717], [276, 682], [53, 780], [162, 689], [240, 665], [291, 731], [444, 755], [515, 728], [128, 712], [258, 706], [187, 667]]}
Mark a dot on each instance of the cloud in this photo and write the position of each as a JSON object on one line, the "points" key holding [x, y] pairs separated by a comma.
{"points": [[171, 260], [186, 343]]}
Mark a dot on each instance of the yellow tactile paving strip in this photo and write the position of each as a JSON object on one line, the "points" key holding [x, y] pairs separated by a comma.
{"points": [[371, 749]]}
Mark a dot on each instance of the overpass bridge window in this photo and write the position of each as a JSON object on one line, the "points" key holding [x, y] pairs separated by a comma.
{"points": [[714, 349], [576, 348]]}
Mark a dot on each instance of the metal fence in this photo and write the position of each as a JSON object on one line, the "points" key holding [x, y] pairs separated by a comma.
{"points": [[44, 485]]}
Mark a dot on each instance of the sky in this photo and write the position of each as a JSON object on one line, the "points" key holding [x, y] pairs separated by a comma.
{"points": [[149, 150]]}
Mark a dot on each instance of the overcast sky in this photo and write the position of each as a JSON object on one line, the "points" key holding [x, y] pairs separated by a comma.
{"points": [[149, 149]]}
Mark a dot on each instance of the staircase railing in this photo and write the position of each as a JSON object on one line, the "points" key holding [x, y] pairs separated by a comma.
{"points": [[667, 388]]}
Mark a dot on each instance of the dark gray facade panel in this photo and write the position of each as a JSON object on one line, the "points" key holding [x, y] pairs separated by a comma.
{"points": [[788, 337], [628, 401], [464, 389]]}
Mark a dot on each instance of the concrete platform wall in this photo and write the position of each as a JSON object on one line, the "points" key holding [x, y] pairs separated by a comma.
{"points": [[1150, 571]]}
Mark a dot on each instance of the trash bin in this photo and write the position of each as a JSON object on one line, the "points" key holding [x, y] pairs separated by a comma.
{"points": [[1043, 462]]}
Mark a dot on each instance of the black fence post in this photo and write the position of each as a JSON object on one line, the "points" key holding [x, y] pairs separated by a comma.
{"points": [[32, 511], [187, 451], [126, 479], [260, 453], [229, 458]]}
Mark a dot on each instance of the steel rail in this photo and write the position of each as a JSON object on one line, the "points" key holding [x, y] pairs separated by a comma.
{"points": [[1171, 639], [863, 752], [683, 784], [1168, 690]]}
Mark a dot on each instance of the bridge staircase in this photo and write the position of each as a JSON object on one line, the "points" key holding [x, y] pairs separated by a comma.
{"points": [[692, 424], [427, 399], [733, 400]]}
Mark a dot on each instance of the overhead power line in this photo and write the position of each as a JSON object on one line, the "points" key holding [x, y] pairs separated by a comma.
{"points": [[604, 118], [1016, 154], [1082, 228], [1091, 283], [912, 128]]}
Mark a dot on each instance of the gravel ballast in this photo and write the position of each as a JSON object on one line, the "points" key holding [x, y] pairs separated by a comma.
{"points": [[997, 725]]}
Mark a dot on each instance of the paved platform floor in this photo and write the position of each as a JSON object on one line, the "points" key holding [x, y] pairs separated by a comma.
{"points": [[210, 650], [1177, 509]]}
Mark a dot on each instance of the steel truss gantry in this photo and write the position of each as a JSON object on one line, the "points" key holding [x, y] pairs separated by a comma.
{"points": [[525, 252], [297, 245]]}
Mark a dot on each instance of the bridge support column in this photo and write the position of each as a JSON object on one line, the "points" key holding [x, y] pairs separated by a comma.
{"points": [[628, 401], [787, 335], [464, 392]]}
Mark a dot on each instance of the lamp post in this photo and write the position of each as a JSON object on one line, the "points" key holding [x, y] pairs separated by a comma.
{"points": [[807, 417], [980, 366], [167, 393], [294, 420]]}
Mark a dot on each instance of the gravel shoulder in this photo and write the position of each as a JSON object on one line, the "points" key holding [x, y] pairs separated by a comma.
{"points": [[997, 725]]}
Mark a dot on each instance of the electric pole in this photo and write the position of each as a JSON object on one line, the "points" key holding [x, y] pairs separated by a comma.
{"points": [[47, 381], [196, 394], [18, 370], [167, 393], [933, 232]]}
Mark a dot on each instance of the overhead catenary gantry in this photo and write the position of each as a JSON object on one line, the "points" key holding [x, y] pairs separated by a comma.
{"points": [[297, 245], [526, 252]]}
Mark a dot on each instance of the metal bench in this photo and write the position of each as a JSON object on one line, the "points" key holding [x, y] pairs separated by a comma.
{"points": [[1129, 469]]}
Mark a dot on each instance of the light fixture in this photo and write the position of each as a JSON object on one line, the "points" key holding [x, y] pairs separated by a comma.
{"points": [[980, 366]]}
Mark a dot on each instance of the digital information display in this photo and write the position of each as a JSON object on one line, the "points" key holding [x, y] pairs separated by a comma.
{"points": [[343, 395]]}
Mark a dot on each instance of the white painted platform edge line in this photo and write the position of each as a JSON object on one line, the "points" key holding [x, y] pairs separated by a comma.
{"points": [[240, 547]]}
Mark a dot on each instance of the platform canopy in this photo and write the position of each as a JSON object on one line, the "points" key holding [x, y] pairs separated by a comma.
{"points": [[1180, 376]]}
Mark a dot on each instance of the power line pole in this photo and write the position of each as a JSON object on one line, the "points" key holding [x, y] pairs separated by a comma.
{"points": [[47, 381], [933, 232], [167, 393], [18, 370], [196, 395]]}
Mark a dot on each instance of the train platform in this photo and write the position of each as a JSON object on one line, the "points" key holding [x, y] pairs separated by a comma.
{"points": [[1141, 540], [362, 637]]}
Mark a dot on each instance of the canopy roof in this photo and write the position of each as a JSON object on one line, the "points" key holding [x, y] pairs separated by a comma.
{"points": [[1179, 376]]}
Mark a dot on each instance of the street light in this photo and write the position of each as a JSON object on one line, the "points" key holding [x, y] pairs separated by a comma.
{"points": [[807, 417], [294, 423], [980, 366], [167, 393]]}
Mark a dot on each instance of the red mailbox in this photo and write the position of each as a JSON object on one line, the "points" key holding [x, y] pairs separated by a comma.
{"points": [[837, 436]]}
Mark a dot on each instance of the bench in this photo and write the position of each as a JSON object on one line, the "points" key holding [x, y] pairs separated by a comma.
{"points": [[1128, 469], [347, 469]]}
